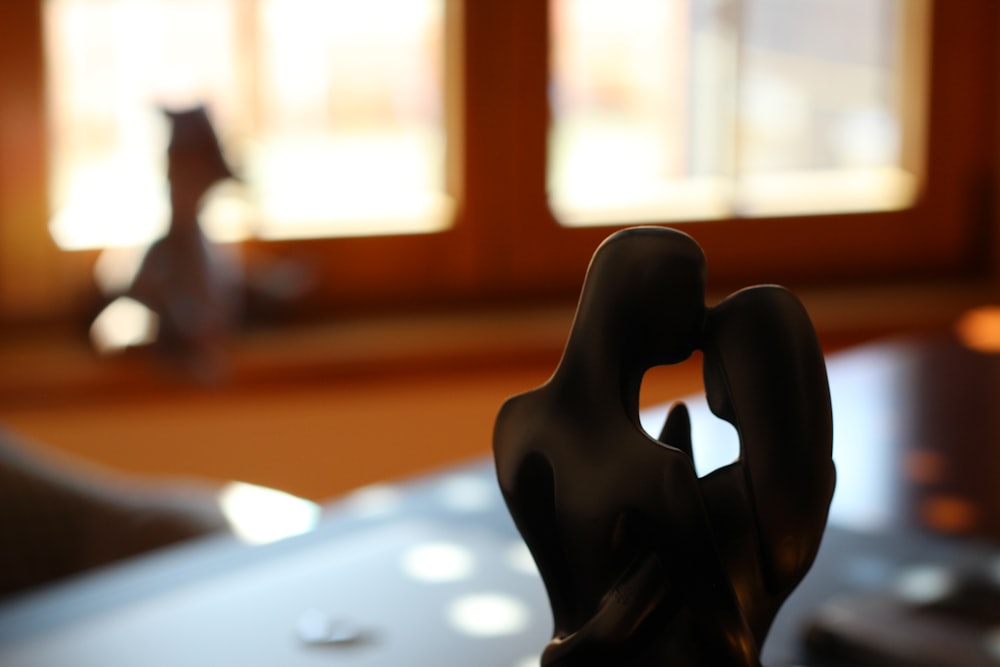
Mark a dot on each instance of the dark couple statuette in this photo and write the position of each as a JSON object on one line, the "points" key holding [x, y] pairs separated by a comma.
{"points": [[645, 563]]}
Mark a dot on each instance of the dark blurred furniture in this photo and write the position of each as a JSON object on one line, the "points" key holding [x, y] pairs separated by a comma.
{"points": [[432, 572]]}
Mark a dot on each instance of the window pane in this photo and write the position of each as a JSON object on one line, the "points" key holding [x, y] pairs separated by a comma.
{"points": [[638, 97], [110, 64], [351, 117], [330, 111], [688, 109], [822, 106]]}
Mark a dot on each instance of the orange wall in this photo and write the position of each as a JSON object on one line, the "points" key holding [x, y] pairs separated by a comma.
{"points": [[315, 440]]}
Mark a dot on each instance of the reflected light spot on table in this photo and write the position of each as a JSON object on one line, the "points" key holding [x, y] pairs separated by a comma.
{"points": [[259, 515], [489, 615], [438, 562], [925, 584], [467, 494], [375, 500]]}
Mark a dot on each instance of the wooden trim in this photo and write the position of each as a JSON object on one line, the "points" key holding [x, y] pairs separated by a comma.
{"points": [[29, 271]]}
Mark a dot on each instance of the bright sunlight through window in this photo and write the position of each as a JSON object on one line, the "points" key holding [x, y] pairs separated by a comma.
{"points": [[331, 113], [694, 109]]}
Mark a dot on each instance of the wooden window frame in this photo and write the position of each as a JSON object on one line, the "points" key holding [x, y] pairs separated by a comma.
{"points": [[505, 244]]}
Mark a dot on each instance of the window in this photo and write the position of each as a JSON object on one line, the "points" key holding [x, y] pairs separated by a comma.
{"points": [[503, 124], [705, 109], [335, 110]]}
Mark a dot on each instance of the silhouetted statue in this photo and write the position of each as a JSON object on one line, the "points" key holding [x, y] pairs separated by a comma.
{"points": [[644, 563], [192, 285]]}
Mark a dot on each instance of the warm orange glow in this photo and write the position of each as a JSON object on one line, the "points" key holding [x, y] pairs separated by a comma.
{"points": [[979, 329], [949, 514]]}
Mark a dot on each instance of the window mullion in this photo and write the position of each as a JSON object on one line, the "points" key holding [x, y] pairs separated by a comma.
{"points": [[504, 133]]}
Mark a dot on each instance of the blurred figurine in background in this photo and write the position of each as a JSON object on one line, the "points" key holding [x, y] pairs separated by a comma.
{"points": [[192, 285], [189, 294]]}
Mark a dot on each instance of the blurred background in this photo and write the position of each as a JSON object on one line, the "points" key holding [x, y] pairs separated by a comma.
{"points": [[424, 181]]}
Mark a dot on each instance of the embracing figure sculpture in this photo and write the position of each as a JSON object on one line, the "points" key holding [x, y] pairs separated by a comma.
{"points": [[644, 562]]}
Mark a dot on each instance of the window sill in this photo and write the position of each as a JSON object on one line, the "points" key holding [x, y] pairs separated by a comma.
{"points": [[54, 367]]}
